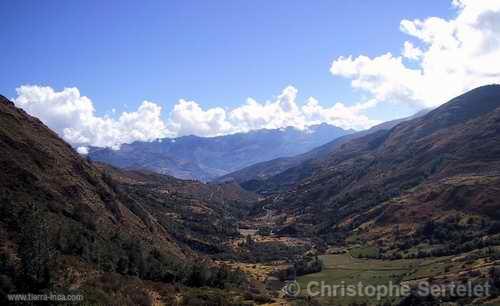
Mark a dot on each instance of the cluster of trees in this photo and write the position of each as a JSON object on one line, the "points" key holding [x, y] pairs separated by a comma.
{"points": [[41, 241], [252, 251], [32, 273], [447, 238], [130, 257], [308, 265]]}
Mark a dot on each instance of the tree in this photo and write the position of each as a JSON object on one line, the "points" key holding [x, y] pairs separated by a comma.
{"points": [[34, 248], [249, 241]]}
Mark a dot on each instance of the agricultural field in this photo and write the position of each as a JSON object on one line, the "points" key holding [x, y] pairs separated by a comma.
{"points": [[344, 270]]}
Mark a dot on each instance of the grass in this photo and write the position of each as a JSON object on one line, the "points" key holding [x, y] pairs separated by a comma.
{"points": [[365, 252], [343, 269]]}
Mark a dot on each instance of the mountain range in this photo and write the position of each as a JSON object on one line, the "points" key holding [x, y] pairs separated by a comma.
{"points": [[206, 158], [442, 169], [253, 175], [426, 186]]}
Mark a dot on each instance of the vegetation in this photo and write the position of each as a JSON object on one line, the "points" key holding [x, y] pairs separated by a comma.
{"points": [[342, 269], [268, 251], [41, 243], [137, 238], [365, 252]]}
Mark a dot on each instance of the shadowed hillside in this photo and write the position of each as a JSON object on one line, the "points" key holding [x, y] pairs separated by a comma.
{"points": [[261, 176], [67, 223], [442, 168]]}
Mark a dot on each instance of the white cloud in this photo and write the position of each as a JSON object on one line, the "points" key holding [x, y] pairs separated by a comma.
{"points": [[74, 118], [411, 52], [82, 150], [188, 118], [448, 57], [283, 111], [444, 58]]}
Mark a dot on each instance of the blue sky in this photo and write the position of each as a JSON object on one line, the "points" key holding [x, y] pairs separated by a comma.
{"points": [[199, 61], [217, 53]]}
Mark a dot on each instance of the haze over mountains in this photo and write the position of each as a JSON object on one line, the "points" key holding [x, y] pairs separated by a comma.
{"points": [[243, 157], [206, 158]]}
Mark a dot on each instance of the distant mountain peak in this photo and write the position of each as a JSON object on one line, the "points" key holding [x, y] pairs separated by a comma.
{"points": [[206, 158]]}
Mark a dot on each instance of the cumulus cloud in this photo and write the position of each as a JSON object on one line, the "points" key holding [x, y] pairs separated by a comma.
{"points": [[447, 58], [188, 117], [411, 52], [73, 117]]}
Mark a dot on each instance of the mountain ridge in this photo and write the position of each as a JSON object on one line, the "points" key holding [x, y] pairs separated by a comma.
{"points": [[253, 176], [202, 158], [429, 186], [67, 222], [444, 164]]}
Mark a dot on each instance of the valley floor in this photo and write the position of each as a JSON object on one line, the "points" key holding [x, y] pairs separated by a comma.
{"points": [[343, 267], [344, 270]]}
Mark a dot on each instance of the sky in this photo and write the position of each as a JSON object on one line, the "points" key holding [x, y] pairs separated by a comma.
{"points": [[109, 72]]}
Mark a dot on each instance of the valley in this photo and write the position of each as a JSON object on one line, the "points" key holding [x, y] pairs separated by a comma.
{"points": [[412, 203], [250, 153]]}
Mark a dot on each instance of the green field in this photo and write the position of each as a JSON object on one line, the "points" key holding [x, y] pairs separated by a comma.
{"points": [[365, 252], [345, 270]]}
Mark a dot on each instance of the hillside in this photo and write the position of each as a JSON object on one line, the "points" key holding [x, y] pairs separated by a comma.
{"points": [[403, 195], [204, 159], [433, 180], [259, 177], [67, 223]]}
